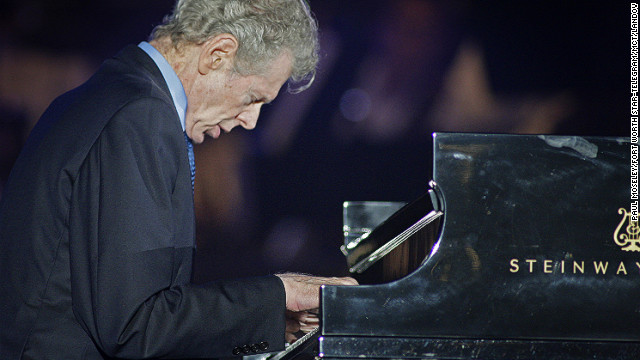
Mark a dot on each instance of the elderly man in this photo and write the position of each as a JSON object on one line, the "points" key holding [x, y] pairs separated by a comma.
{"points": [[97, 219]]}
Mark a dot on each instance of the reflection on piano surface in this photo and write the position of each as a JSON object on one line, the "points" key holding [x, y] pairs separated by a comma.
{"points": [[523, 248]]}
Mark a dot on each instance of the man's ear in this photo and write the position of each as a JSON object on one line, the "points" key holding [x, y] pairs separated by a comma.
{"points": [[216, 52]]}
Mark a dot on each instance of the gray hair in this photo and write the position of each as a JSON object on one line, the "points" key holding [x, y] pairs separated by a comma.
{"points": [[265, 29]]}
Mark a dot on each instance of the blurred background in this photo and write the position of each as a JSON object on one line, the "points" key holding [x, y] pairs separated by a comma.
{"points": [[392, 72]]}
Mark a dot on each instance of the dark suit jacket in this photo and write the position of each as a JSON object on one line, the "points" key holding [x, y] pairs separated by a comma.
{"points": [[97, 235]]}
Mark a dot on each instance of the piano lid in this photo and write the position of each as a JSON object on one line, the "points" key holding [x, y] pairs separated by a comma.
{"points": [[535, 244]]}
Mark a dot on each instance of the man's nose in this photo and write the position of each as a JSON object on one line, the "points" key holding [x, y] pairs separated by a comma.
{"points": [[249, 118]]}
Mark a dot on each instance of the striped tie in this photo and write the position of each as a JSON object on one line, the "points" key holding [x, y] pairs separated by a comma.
{"points": [[192, 160]]}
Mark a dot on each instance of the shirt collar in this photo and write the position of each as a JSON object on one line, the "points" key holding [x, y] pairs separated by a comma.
{"points": [[171, 78]]}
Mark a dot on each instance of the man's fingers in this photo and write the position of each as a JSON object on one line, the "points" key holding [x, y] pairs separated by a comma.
{"points": [[292, 326], [306, 321], [308, 328], [302, 316], [290, 338], [302, 301], [309, 319]]}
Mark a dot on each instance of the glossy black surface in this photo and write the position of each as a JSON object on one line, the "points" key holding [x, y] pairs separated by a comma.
{"points": [[433, 348], [528, 229]]}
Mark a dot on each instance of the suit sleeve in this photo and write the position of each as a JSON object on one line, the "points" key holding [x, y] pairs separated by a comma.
{"points": [[127, 250]]}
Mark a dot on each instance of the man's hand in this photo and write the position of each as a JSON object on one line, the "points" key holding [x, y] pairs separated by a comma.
{"points": [[303, 291], [299, 323], [303, 299]]}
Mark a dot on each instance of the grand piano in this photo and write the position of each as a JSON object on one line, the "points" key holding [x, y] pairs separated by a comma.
{"points": [[522, 247]]}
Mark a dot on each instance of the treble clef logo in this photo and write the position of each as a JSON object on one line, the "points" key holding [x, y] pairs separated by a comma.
{"points": [[629, 240]]}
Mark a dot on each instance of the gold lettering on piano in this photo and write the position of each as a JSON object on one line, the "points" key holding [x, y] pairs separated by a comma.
{"points": [[599, 267], [531, 262], [548, 266], [621, 268], [515, 268], [629, 240]]}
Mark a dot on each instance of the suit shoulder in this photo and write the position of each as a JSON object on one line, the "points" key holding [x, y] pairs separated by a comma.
{"points": [[146, 116]]}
